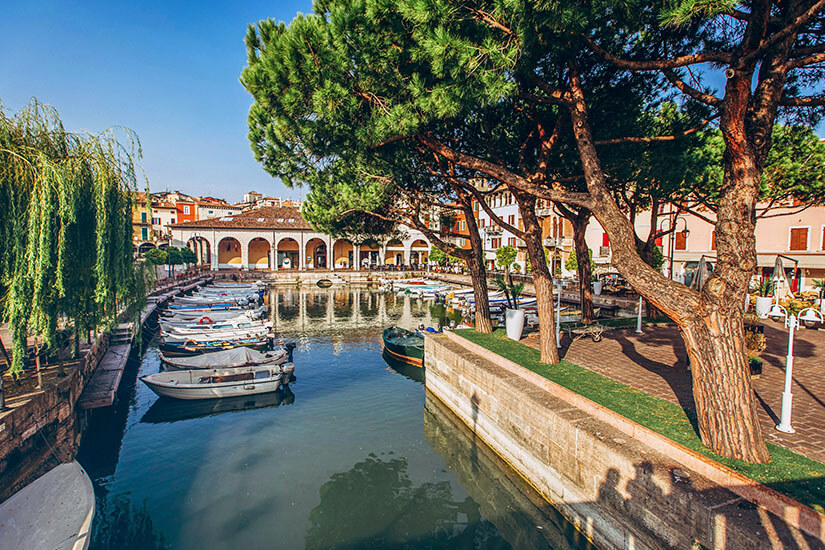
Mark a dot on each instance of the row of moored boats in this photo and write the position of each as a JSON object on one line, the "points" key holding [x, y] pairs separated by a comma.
{"points": [[216, 343]]}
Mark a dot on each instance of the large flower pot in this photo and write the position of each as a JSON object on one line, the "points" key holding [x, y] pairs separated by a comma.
{"points": [[763, 306], [597, 287], [514, 321]]}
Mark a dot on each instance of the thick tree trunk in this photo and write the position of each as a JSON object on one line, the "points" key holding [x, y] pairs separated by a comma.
{"points": [[584, 270], [542, 279], [710, 321], [722, 391], [478, 273]]}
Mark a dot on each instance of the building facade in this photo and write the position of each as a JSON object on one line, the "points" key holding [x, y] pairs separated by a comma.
{"points": [[278, 238]]}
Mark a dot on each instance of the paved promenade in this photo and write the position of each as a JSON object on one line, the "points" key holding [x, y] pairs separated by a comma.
{"points": [[655, 362]]}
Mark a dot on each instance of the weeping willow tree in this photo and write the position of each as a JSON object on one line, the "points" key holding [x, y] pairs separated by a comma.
{"points": [[65, 227]]}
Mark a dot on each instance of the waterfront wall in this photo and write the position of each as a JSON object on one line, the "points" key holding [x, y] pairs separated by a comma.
{"points": [[619, 491], [45, 431]]}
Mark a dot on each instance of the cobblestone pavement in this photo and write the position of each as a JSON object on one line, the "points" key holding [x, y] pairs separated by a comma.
{"points": [[655, 362]]}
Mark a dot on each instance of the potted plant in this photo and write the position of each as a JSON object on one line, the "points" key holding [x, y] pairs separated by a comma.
{"points": [[513, 316], [764, 289], [597, 285]]}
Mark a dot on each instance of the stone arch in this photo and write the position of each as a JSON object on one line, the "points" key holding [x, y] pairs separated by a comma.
{"points": [[229, 253], [316, 254], [342, 251], [202, 249], [369, 253], [288, 254], [419, 252], [395, 252], [259, 252]]}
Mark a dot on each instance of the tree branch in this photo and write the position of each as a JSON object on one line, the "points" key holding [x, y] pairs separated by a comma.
{"points": [[702, 97], [797, 23], [673, 137], [660, 64], [808, 101]]}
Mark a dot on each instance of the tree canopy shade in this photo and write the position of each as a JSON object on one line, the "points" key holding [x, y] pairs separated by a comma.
{"points": [[66, 225], [542, 98]]}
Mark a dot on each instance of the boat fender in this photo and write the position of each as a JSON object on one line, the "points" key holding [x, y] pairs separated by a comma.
{"points": [[205, 320]]}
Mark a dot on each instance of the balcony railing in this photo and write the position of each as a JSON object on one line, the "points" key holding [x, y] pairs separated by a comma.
{"points": [[544, 212], [492, 230]]}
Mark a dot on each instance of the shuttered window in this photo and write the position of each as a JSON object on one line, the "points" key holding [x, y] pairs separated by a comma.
{"points": [[713, 240], [799, 238], [681, 240]]}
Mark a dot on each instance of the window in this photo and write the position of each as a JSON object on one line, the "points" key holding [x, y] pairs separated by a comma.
{"points": [[799, 238], [462, 225], [209, 211], [482, 221], [511, 219], [155, 221], [143, 217], [681, 240], [511, 241], [144, 234], [173, 220], [186, 209], [713, 240]]}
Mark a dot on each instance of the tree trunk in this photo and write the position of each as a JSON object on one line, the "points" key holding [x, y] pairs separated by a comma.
{"points": [[542, 279], [584, 270], [722, 391], [710, 321], [478, 273]]}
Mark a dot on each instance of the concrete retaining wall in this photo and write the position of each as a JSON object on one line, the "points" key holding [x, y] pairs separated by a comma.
{"points": [[618, 491]]}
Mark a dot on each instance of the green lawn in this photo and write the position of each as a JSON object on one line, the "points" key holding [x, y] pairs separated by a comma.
{"points": [[790, 473]]}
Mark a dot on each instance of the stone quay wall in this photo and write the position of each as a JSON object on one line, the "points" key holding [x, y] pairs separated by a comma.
{"points": [[44, 431], [621, 491]]}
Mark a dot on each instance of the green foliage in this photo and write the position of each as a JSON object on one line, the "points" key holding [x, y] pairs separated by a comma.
{"points": [[66, 227], [437, 255], [572, 264], [506, 257], [658, 259], [763, 287], [155, 256], [174, 256], [188, 255]]}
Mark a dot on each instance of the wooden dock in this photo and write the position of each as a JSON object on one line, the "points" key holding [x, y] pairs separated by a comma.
{"points": [[100, 390]]}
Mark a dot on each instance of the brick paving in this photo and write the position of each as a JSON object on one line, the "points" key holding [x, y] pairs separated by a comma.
{"points": [[656, 362]]}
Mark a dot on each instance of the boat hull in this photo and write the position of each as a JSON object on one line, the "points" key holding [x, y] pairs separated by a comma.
{"points": [[249, 387], [404, 346]]}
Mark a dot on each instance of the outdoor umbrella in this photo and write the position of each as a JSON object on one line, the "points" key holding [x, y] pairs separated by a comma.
{"points": [[702, 274], [782, 287]]}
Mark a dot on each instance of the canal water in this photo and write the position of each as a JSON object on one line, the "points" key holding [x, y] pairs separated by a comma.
{"points": [[354, 455]]}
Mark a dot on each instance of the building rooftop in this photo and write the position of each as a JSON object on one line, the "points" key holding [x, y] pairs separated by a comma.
{"points": [[266, 217]]}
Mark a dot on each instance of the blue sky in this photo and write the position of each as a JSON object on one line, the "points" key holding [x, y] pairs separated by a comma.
{"points": [[167, 70]]}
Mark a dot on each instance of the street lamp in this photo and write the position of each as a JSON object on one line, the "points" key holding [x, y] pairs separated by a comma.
{"points": [[808, 314], [558, 314], [674, 222]]}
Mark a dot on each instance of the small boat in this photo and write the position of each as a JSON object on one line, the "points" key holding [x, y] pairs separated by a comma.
{"points": [[228, 359], [324, 283], [195, 347], [217, 383], [404, 345]]}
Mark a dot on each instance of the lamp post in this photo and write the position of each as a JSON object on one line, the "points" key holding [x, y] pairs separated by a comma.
{"points": [[639, 317], [673, 224], [792, 323]]}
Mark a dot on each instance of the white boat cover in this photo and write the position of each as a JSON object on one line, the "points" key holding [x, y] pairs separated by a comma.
{"points": [[228, 359]]}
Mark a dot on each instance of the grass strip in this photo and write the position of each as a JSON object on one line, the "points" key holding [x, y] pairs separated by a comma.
{"points": [[788, 472]]}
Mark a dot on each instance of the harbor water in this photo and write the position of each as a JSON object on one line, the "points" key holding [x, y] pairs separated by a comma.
{"points": [[354, 454]]}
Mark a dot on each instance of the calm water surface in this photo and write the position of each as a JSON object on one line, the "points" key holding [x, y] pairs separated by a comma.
{"points": [[354, 455]]}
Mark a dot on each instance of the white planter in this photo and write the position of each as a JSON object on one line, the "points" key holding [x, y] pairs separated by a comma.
{"points": [[514, 320], [597, 287], [763, 306]]}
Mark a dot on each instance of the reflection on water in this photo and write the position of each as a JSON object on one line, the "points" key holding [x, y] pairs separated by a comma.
{"points": [[172, 410], [350, 462], [375, 504], [522, 516]]}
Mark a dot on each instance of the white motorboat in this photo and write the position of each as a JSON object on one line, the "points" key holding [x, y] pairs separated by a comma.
{"points": [[229, 359], [215, 335], [190, 328], [211, 317], [217, 383]]}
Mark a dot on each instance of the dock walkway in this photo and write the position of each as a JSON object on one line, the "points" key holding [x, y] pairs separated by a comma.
{"points": [[101, 389]]}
